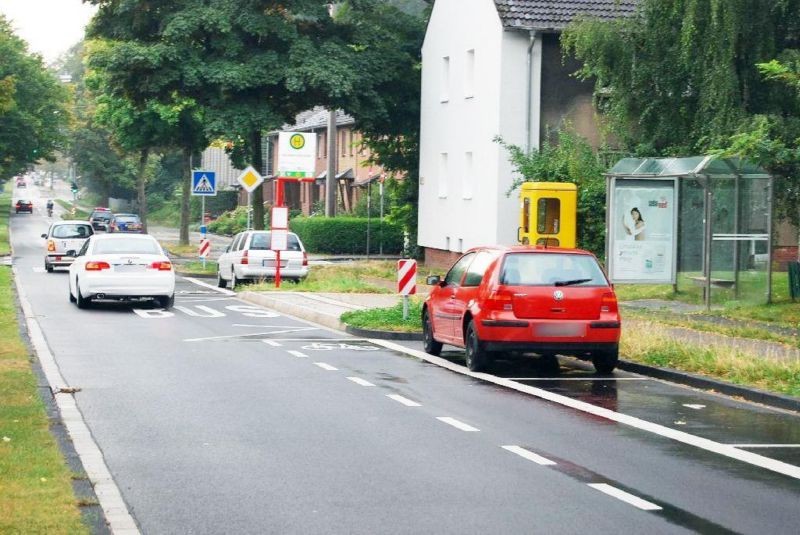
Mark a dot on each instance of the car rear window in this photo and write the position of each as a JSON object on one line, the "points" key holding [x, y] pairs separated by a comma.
{"points": [[551, 269], [262, 242], [128, 218], [126, 246], [72, 231], [101, 215]]}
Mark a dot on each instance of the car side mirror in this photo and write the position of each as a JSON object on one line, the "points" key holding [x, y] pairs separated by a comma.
{"points": [[44, 236], [433, 280], [72, 253]]}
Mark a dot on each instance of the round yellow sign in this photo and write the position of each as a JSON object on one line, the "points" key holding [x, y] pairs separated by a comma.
{"points": [[297, 141]]}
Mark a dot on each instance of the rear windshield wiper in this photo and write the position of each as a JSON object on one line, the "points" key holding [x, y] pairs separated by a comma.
{"points": [[571, 282]]}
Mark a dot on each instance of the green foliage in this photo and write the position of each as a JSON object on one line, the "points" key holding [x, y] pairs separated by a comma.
{"points": [[568, 158], [387, 319], [33, 106], [347, 235], [229, 223]]}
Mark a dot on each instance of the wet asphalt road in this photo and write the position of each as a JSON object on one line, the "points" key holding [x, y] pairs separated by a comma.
{"points": [[223, 417]]}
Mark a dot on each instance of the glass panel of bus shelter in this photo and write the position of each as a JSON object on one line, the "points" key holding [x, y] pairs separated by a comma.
{"points": [[753, 251], [724, 259]]}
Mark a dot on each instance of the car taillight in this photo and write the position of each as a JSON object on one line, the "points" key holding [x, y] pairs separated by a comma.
{"points": [[500, 300], [162, 266], [51, 245], [608, 303], [244, 259], [96, 266], [305, 258]]}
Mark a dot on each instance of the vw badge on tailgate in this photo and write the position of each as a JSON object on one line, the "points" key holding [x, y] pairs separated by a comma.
{"points": [[558, 295]]}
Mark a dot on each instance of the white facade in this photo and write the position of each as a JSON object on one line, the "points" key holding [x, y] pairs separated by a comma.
{"points": [[474, 87]]}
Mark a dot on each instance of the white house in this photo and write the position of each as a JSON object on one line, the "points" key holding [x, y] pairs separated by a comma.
{"points": [[492, 68]]}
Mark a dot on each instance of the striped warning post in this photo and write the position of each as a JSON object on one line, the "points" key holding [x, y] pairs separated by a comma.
{"points": [[407, 277], [205, 248]]}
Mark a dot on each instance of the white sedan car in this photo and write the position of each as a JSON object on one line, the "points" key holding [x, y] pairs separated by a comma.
{"points": [[121, 267]]}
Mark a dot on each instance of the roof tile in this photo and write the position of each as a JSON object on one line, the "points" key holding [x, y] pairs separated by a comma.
{"points": [[557, 14]]}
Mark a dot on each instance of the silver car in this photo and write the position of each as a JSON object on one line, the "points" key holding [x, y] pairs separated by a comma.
{"points": [[249, 257], [64, 236]]}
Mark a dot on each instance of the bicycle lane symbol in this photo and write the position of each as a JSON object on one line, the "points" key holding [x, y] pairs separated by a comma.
{"points": [[330, 346]]}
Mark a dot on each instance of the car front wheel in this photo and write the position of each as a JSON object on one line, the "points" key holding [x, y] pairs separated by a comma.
{"points": [[477, 357], [431, 346], [605, 361]]}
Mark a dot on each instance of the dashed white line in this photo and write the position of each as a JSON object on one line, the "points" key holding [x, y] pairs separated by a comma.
{"points": [[457, 424], [297, 354], [695, 406], [525, 454], [360, 381], [405, 401], [325, 366], [272, 343], [625, 497]]}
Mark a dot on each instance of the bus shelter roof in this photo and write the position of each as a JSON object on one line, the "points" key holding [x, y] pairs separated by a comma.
{"points": [[689, 167]]}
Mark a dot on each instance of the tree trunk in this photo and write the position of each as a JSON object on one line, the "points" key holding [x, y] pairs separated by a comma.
{"points": [[258, 193], [140, 187], [186, 190]]}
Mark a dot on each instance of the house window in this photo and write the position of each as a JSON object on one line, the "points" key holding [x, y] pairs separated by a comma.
{"points": [[467, 177], [442, 179], [445, 78], [469, 75]]}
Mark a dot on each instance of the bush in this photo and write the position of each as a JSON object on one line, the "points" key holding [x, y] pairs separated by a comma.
{"points": [[230, 222], [347, 235]]}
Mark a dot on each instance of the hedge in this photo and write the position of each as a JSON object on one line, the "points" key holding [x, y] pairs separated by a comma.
{"points": [[347, 235]]}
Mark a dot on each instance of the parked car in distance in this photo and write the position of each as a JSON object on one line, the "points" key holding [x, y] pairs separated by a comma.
{"points": [[23, 205], [64, 236], [121, 267], [540, 300], [100, 218], [125, 223], [249, 256], [21, 183]]}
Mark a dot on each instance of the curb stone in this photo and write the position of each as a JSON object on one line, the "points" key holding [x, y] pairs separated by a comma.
{"points": [[382, 335]]}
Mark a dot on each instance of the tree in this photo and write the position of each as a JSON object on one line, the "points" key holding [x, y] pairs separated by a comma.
{"points": [[33, 106]]}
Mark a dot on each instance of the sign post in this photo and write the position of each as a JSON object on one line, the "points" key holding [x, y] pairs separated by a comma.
{"points": [[204, 184], [204, 249], [406, 281], [250, 179], [279, 237]]}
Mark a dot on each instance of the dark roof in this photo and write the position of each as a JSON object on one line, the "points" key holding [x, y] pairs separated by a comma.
{"points": [[557, 14], [316, 118]]}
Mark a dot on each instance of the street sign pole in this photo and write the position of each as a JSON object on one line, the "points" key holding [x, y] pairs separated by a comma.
{"points": [[203, 223]]}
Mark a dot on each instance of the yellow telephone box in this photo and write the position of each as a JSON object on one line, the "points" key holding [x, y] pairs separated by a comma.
{"points": [[548, 214]]}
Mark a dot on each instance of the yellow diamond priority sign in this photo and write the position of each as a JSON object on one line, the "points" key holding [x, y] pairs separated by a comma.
{"points": [[250, 179]]}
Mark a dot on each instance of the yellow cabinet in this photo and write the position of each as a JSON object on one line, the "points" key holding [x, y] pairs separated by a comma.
{"points": [[548, 214]]}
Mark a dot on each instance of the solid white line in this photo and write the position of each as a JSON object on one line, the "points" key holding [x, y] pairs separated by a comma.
{"points": [[272, 343], [625, 497], [578, 378], [637, 423], [326, 366], [695, 406], [297, 354], [116, 512], [210, 338], [405, 401], [457, 424], [206, 285], [765, 445], [360, 381], [522, 452]]}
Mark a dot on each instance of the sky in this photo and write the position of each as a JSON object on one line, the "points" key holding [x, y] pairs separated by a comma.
{"points": [[50, 27]]}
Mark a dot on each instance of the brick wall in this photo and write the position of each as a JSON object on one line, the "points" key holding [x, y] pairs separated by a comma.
{"points": [[782, 255], [437, 258]]}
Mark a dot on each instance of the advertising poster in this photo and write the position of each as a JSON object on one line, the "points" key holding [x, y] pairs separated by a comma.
{"points": [[643, 231]]}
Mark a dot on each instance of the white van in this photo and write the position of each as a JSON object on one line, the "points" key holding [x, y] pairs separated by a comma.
{"points": [[64, 236]]}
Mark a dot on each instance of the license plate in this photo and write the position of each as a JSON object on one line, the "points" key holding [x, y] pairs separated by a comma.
{"points": [[129, 268], [560, 330], [271, 263]]}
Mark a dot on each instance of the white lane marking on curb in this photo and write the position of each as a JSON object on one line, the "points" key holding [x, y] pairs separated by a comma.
{"points": [[206, 285], [114, 508], [360, 381], [765, 445], [579, 378], [38, 269], [680, 436], [405, 401], [282, 331], [325, 366], [695, 406], [625, 497], [457, 424], [297, 354], [525, 454], [272, 343]]}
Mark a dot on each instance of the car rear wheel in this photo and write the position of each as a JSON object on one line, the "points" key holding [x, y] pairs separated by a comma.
{"points": [[221, 283], [82, 302], [605, 361], [432, 347], [477, 357], [166, 301]]}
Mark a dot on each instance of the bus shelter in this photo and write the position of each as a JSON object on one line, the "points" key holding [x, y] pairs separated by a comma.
{"points": [[701, 222]]}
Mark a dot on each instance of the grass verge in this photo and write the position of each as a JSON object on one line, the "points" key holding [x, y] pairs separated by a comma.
{"points": [[654, 345], [334, 278], [73, 212], [36, 495], [5, 214], [196, 268], [387, 319]]}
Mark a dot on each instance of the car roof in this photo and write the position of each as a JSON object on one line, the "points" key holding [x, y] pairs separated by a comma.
{"points": [[124, 237], [71, 222], [126, 215], [101, 209], [529, 249]]}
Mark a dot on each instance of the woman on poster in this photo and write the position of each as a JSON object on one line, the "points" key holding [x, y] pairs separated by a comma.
{"points": [[637, 232]]}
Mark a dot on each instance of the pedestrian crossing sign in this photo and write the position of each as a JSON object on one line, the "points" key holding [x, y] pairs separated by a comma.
{"points": [[204, 183]]}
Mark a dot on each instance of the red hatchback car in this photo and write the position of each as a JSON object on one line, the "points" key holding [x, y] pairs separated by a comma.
{"points": [[526, 299]]}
